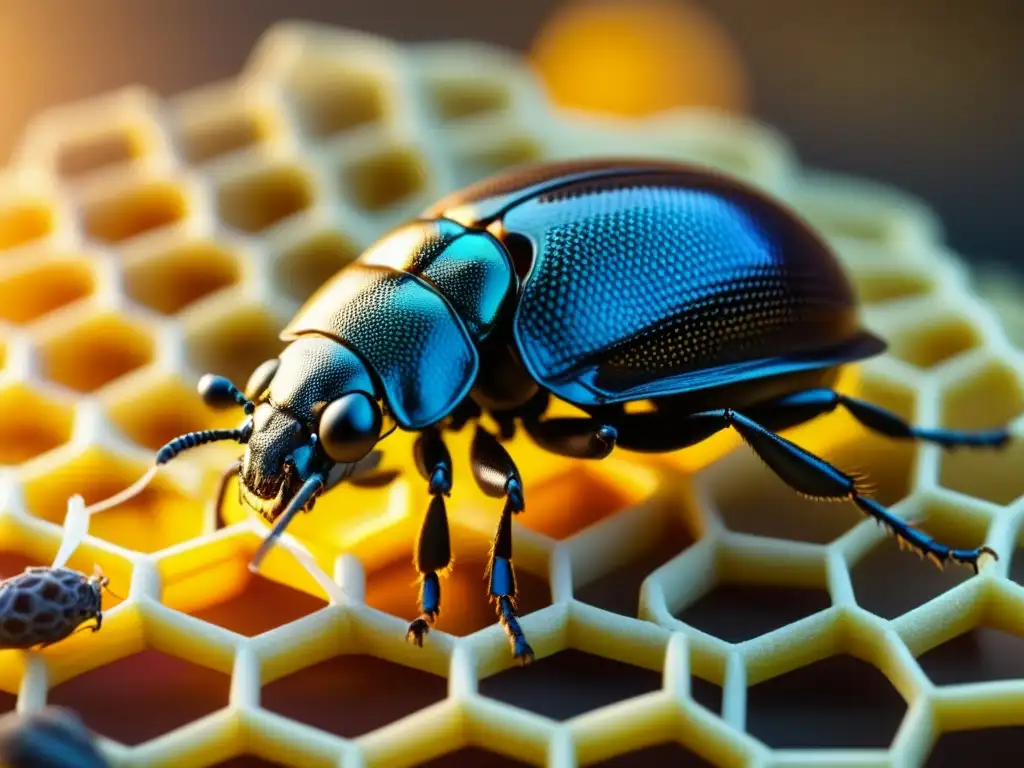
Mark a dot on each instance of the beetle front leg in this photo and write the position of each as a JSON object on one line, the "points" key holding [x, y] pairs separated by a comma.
{"points": [[216, 507], [433, 549], [497, 476]]}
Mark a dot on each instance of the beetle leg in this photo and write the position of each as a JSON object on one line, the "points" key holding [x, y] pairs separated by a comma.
{"points": [[803, 406], [588, 438], [215, 510], [433, 549], [809, 475], [497, 476], [575, 437]]}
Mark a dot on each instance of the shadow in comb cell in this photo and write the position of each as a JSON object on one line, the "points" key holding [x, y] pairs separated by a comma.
{"points": [[141, 696], [839, 702], [261, 606], [982, 654], [565, 504], [706, 693], [619, 590], [81, 158], [249, 761], [353, 694], [660, 754], [569, 683], [473, 757], [739, 612], [961, 748]]}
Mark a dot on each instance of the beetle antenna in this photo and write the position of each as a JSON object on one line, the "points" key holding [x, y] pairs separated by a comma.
{"points": [[309, 489], [194, 439], [130, 492], [170, 451], [104, 581]]}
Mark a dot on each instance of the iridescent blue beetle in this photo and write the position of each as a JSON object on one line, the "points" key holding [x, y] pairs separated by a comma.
{"points": [[598, 283]]}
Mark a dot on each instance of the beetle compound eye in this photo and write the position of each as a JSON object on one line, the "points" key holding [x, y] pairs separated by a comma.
{"points": [[259, 382], [350, 427]]}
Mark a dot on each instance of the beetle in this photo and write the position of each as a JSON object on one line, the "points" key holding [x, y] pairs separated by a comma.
{"points": [[47, 604], [599, 283], [54, 737]]}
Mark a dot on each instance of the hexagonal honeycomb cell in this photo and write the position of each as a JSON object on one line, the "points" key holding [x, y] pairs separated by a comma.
{"points": [[684, 610], [256, 200], [386, 178], [22, 223], [876, 568], [163, 515], [31, 423], [307, 263], [171, 280], [114, 703], [136, 209], [232, 339], [34, 290], [333, 98], [94, 350]]}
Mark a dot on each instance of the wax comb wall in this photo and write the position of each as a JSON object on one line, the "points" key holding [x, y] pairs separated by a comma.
{"points": [[682, 607]]}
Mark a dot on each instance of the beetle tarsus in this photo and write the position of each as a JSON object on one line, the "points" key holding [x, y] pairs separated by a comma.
{"points": [[521, 649], [496, 474], [433, 548], [813, 476], [418, 629], [918, 541]]}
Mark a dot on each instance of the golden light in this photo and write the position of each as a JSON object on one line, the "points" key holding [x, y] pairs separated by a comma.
{"points": [[638, 57]]}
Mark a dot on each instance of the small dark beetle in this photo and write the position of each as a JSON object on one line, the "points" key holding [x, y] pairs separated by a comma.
{"points": [[45, 605], [54, 737], [598, 283]]}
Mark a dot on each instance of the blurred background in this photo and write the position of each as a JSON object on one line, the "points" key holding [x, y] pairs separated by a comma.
{"points": [[924, 95]]}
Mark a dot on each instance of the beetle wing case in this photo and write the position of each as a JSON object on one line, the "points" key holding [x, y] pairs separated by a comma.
{"points": [[657, 279]]}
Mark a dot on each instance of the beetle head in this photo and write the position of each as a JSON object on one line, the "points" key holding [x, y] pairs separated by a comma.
{"points": [[95, 584], [317, 414]]}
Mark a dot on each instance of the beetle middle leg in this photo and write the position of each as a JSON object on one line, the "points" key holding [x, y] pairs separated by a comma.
{"points": [[498, 477], [433, 549], [814, 477], [215, 509]]}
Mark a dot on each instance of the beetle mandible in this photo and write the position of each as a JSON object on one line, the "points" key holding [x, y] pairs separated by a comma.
{"points": [[597, 283]]}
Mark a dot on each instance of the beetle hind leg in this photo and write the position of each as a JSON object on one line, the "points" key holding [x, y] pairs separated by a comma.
{"points": [[812, 476], [497, 476], [803, 406], [433, 548]]}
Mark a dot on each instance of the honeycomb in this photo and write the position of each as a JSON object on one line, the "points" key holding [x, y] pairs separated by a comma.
{"points": [[685, 609]]}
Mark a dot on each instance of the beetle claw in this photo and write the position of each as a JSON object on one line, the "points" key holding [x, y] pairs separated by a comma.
{"points": [[417, 629]]}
